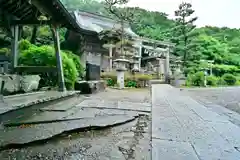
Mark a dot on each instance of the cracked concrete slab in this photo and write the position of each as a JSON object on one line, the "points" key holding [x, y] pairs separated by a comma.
{"points": [[28, 134], [118, 105], [25, 100], [74, 113], [85, 144], [63, 105]]}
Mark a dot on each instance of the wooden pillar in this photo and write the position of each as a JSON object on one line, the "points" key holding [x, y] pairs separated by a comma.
{"points": [[14, 47], [61, 82]]}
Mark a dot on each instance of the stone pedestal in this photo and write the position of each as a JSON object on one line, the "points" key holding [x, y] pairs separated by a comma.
{"points": [[120, 79], [121, 68]]}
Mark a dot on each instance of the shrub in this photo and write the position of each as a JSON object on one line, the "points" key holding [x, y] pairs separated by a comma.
{"points": [[197, 79], [137, 80], [45, 56], [77, 61], [212, 80], [131, 83], [4, 51], [238, 83], [229, 79], [110, 82], [24, 45], [111, 78], [143, 77]]}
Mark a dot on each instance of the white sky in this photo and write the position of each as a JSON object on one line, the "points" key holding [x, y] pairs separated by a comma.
{"points": [[219, 13]]}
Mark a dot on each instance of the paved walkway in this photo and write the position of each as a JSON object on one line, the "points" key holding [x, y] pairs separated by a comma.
{"points": [[183, 129]]}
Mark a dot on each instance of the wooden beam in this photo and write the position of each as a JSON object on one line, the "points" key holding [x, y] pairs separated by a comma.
{"points": [[25, 14], [155, 41], [31, 22], [35, 69]]}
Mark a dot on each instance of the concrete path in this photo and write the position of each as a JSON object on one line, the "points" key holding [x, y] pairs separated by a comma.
{"points": [[183, 129]]}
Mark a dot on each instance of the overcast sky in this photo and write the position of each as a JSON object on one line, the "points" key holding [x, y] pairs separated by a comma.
{"points": [[210, 12]]}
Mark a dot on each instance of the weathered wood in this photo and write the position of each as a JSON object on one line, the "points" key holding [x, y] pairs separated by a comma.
{"points": [[59, 58], [34, 69], [14, 48], [31, 22], [152, 57]]}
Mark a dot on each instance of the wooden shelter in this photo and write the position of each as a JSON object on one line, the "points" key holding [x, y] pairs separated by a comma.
{"points": [[16, 13]]}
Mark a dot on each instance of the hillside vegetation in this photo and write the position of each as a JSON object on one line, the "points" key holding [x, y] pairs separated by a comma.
{"points": [[222, 45]]}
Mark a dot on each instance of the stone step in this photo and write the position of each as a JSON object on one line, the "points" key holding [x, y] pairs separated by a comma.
{"points": [[23, 106]]}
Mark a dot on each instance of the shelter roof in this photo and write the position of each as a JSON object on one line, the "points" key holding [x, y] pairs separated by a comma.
{"points": [[28, 11]]}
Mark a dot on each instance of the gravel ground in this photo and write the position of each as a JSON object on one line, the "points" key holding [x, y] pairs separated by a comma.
{"points": [[228, 97]]}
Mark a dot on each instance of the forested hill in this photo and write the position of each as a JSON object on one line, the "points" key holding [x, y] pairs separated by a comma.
{"points": [[211, 43]]}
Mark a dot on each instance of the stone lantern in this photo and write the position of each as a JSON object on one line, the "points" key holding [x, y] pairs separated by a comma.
{"points": [[121, 64]]}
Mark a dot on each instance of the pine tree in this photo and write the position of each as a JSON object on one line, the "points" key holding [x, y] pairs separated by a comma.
{"points": [[183, 32]]}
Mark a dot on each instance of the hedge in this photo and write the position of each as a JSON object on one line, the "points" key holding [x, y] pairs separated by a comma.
{"points": [[137, 81]]}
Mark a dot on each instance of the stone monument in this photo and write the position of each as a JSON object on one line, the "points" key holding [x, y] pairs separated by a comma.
{"points": [[122, 62]]}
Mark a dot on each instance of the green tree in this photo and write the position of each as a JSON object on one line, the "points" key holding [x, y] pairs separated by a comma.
{"points": [[184, 29]]}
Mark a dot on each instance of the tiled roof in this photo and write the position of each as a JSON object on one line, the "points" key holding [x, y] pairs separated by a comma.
{"points": [[98, 23]]}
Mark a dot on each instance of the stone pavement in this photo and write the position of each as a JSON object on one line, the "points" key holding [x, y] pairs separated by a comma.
{"points": [[66, 129], [25, 100], [183, 129]]}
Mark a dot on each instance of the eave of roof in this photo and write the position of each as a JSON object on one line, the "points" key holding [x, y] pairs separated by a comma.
{"points": [[23, 10], [97, 23]]}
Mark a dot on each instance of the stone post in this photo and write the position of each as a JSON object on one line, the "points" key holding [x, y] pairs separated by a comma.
{"points": [[110, 57], [159, 68], [167, 67], [140, 55]]}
